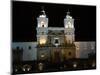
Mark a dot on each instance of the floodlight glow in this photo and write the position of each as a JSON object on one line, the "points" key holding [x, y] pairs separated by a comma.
{"points": [[42, 41]]}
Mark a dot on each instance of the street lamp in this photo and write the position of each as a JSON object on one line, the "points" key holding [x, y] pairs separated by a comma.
{"points": [[75, 65]]}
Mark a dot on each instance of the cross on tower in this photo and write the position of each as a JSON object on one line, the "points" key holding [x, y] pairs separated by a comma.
{"points": [[68, 13], [43, 10]]}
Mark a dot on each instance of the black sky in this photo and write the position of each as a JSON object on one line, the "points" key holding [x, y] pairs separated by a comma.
{"points": [[24, 21]]}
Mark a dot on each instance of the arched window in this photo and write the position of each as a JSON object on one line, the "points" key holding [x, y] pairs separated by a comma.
{"points": [[43, 25], [17, 47], [56, 41], [69, 53], [29, 47]]}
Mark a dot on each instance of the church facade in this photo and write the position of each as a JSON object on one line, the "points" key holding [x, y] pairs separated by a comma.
{"points": [[54, 43]]}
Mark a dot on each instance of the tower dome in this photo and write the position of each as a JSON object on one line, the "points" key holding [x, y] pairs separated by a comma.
{"points": [[42, 13]]}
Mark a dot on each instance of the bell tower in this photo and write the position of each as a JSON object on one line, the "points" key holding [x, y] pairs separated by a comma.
{"points": [[69, 28], [42, 28]]}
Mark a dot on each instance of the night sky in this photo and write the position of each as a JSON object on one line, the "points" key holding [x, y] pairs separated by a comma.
{"points": [[24, 21]]}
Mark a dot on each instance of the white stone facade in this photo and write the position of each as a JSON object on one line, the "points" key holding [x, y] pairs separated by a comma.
{"points": [[82, 48]]}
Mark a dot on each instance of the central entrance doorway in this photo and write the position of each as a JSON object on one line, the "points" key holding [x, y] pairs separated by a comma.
{"points": [[56, 56]]}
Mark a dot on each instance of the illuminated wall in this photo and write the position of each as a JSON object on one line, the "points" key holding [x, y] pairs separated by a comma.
{"points": [[84, 48]]}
